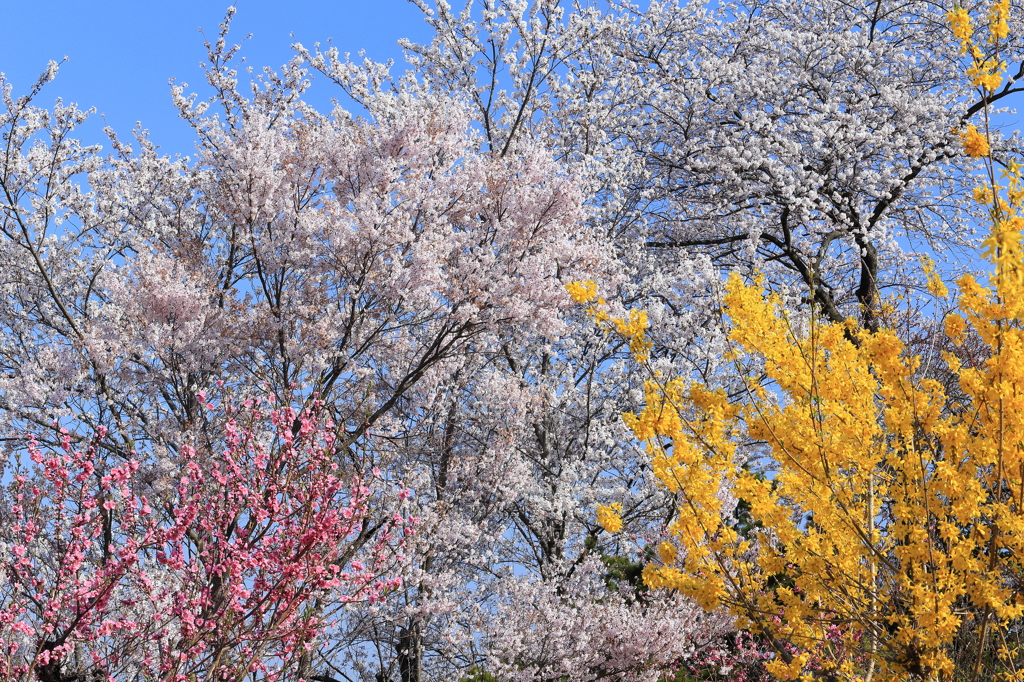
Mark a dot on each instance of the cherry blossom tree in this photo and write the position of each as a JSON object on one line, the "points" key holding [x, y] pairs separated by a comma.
{"points": [[540, 637], [307, 252], [813, 142], [802, 138], [352, 262]]}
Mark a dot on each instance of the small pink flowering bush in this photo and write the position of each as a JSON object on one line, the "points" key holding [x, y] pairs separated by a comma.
{"points": [[218, 576]]}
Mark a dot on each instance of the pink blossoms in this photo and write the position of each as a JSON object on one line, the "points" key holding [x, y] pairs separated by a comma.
{"points": [[214, 570]]}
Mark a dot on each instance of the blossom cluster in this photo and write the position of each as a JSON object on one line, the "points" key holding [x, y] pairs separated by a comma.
{"points": [[214, 578]]}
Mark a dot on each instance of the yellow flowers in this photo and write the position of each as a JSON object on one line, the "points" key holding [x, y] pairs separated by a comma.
{"points": [[936, 286], [960, 22], [1003, 243], [975, 143], [608, 517], [668, 553], [999, 21], [632, 327], [987, 74], [582, 292], [634, 330], [954, 327], [1011, 172], [1015, 188], [879, 512]]}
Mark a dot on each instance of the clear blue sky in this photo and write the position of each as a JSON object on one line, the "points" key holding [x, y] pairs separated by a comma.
{"points": [[122, 52]]}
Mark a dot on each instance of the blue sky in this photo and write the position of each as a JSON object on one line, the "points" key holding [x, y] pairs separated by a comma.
{"points": [[122, 52]]}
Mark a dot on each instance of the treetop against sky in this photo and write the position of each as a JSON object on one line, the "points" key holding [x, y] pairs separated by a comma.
{"points": [[122, 53]]}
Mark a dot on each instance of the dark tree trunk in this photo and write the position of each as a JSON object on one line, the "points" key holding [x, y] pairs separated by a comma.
{"points": [[410, 653]]}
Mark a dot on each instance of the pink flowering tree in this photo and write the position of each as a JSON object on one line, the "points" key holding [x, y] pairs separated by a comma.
{"points": [[222, 577]]}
